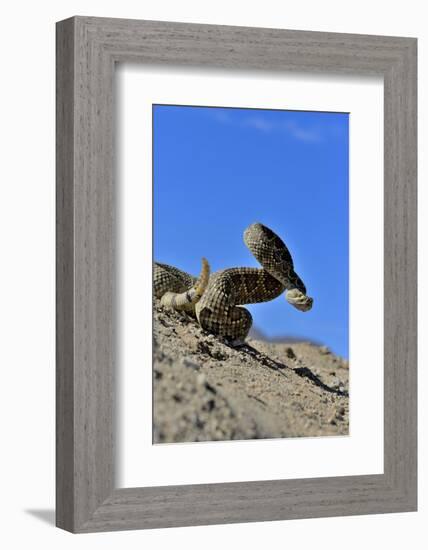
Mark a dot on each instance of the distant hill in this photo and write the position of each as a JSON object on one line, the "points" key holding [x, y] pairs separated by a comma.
{"points": [[257, 334]]}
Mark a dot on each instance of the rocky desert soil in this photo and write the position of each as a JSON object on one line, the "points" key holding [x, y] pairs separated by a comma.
{"points": [[207, 390]]}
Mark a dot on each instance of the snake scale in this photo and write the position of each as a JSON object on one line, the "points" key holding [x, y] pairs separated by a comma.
{"points": [[216, 299]]}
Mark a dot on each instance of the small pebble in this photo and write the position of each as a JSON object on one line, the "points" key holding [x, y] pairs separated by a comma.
{"points": [[290, 353], [201, 379], [189, 364]]}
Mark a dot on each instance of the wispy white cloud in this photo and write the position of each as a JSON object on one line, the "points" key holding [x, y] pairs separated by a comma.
{"points": [[221, 115], [309, 135], [261, 123]]}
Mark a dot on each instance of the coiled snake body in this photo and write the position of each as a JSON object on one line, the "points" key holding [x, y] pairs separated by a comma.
{"points": [[216, 299]]}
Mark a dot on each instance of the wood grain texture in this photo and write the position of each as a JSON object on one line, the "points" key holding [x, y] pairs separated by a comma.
{"points": [[64, 277], [87, 50]]}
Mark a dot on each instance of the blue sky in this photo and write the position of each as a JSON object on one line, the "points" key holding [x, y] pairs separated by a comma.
{"points": [[217, 170]]}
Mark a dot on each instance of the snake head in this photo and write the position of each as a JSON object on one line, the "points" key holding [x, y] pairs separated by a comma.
{"points": [[270, 251], [299, 300]]}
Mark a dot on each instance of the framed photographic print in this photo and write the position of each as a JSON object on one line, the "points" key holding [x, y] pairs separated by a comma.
{"points": [[236, 274]]}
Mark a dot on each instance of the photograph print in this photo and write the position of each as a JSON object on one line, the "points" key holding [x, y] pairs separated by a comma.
{"points": [[250, 273]]}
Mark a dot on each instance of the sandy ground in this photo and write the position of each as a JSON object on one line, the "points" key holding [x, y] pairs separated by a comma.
{"points": [[206, 390]]}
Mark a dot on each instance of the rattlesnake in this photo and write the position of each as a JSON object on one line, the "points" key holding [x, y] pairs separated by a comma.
{"points": [[215, 299]]}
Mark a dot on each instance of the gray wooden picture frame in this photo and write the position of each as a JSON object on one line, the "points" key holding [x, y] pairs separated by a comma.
{"points": [[87, 51]]}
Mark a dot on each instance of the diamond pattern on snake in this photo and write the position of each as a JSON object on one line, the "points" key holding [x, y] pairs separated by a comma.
{"points": [[216, 299]]}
